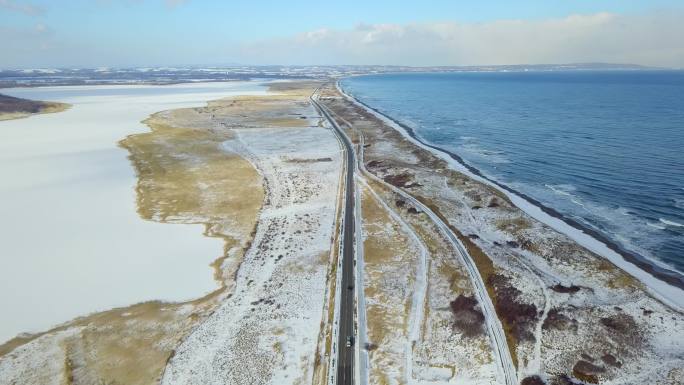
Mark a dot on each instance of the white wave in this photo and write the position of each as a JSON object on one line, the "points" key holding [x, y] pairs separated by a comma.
{"points": [[655, 226], [633, 232], [670, 223], [561, 189], [665, 292], [566, 190], [475, 149], [679, 203]]}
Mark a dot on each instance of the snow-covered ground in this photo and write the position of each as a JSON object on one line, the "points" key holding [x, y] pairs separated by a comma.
{"points": [[572, 308], [72, 242], [267, 332], [669, 294]]}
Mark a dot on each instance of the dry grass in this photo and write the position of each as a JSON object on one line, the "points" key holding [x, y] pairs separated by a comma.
{"points": [[45, 108], [486, 268], [325, 339], [184, 176], [456, 194], [289, 108], [513, 225], [301, 89], [128, 345], [388, 257], [616, 278]]}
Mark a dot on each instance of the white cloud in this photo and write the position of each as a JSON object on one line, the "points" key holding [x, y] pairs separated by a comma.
{"points": [[653, 39], [648, 39], [21, 7]]}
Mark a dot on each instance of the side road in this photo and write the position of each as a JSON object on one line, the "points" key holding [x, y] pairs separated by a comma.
{"points": [[493, 324]]}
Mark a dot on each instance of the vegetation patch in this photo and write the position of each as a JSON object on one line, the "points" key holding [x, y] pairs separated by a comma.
{"points": [[587, 372], [15, 108], [532, 380], [611, 360], [404, 180], [519, 317], [468, 317], [558, 288], [562, 379], [557, 320], [621, 323]]}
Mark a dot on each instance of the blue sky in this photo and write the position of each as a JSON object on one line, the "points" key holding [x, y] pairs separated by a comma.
{"points": [[173, 32]]}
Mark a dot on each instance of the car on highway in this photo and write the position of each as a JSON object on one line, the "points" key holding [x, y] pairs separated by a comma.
{"points": [[350, 341]]}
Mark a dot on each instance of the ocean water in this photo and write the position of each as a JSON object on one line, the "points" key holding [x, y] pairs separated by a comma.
{"points": [[603, 148]]}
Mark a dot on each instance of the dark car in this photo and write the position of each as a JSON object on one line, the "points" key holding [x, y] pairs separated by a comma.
{"points": [[350, 341]]}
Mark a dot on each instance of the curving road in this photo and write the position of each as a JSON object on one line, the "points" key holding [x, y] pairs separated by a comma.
{"points": [[493, 324]]}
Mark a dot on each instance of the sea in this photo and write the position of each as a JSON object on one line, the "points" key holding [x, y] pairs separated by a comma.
{"points": [[603, 149]]}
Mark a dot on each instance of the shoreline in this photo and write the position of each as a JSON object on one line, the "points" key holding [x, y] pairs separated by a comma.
{"points": [[86, 171], [20, 108], [205, 163], [634, 264]]}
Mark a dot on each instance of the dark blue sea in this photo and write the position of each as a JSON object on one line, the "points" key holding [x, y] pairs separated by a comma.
{"points": [[603, 148]]}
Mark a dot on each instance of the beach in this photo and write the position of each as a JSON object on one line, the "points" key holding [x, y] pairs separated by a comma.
{"points": [[573, 157], [545, 280], [455, 278]]}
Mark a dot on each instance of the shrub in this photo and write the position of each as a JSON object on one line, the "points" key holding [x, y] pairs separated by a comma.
{"points": [[467, 316]]}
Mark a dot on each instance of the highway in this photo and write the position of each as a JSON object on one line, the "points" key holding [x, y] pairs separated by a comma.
{"points": [[345, 355], [493, 324], [345, 362]]}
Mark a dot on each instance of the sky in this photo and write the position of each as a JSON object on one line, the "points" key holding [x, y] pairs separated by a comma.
{"points": [[128, 33]]}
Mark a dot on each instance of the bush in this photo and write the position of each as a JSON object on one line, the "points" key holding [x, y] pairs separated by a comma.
{"points": [[468, 318]]}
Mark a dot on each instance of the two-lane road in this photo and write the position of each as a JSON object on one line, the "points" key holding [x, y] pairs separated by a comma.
{"points": [[493, 324], [345, 355]]}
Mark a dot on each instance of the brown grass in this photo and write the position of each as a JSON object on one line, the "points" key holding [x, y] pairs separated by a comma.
{"points": [[183, 177], [44, 108], [486, 268], [16, 108], [386, 253], [513, 225]]}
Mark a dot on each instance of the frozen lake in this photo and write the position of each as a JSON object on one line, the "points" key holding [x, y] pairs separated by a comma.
{"points": [[72, 242]]}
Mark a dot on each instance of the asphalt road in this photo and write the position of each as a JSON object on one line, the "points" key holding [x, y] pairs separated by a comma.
{"points": [[345, 360], [494, 327], [345, 355]]}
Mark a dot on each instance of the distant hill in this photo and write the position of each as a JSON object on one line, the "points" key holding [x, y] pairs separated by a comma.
{"points": [[171, 75]]}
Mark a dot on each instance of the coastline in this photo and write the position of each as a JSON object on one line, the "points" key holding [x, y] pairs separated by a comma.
{"points": [[669, 288], [214, 164], [86, 173], [36, 107]]}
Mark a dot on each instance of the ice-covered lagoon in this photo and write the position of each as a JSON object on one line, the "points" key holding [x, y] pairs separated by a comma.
{"points": [[72, 242]]}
